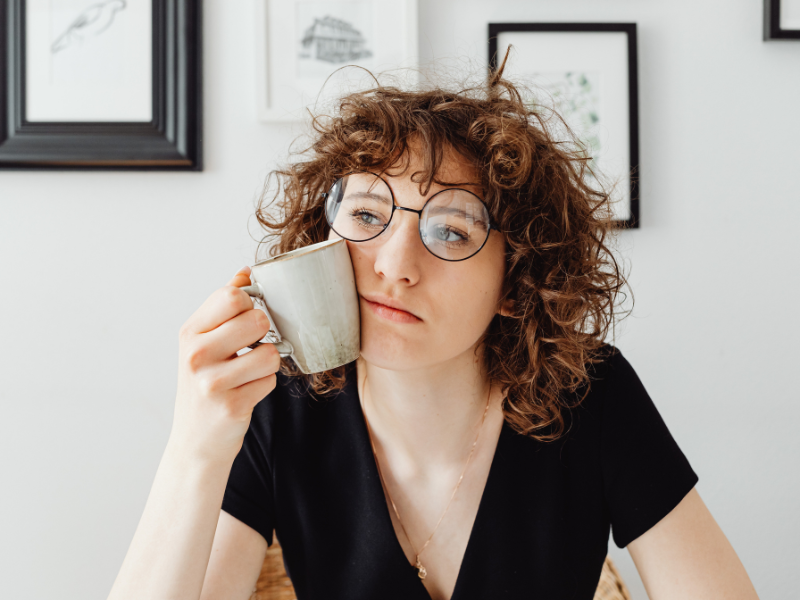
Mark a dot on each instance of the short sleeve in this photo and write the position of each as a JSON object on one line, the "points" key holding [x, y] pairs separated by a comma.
{"points": [[645, 473], [249, 491]]}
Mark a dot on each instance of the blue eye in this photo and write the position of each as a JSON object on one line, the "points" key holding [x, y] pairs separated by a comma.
{"points": [[364, 218], [368, 218], [448, 235]]}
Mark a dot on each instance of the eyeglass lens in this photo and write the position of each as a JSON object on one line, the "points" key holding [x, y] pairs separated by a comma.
{"points": [[453, 225]]}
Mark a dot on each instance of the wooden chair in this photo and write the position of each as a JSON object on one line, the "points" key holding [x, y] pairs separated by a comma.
{"points": [[274, 584]]}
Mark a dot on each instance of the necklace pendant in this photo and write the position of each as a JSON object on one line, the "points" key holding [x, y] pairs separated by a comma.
{"points": [[422, 572]]}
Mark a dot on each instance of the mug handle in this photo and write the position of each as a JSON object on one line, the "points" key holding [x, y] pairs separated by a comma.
{"points": [[273, 336]]}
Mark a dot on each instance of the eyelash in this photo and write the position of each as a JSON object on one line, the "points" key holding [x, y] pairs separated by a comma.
{"points": [[464, 238], [362, 211]]}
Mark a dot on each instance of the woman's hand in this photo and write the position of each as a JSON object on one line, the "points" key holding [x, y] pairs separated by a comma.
{"points": [[217, 390]]}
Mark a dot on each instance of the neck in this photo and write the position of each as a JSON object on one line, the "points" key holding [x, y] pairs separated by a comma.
{"points": [[427, 418]]}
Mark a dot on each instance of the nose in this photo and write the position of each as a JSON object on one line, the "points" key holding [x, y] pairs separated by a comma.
{"points": [[401, 250]]}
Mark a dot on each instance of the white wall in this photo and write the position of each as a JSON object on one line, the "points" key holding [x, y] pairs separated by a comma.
{"points": [[88, 361]]}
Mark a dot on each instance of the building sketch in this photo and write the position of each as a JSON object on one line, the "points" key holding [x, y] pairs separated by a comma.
{"points": [[333, 40]]}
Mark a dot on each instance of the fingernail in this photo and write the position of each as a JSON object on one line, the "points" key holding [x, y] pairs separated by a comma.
{"points": [[243, 270]]}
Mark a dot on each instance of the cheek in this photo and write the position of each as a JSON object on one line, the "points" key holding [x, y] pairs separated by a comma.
{"points": [[473, 301], [468, 305], [462, 298], [461, 307], [363, 262]]}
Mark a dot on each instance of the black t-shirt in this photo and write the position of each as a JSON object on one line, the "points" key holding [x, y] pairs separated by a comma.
{"points": [[306, 470]]}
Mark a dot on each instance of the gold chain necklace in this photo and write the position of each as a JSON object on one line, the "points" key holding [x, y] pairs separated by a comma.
{"points": [[422, 571]]}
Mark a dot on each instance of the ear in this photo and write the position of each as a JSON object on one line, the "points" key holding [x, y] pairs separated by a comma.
{"points": [[506, 309]]}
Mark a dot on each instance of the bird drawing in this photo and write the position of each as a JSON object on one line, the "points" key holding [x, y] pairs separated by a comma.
{"points": [[91, 22]]}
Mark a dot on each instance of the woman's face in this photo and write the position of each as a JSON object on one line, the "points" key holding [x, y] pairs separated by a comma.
{"points": [[447, 306]]}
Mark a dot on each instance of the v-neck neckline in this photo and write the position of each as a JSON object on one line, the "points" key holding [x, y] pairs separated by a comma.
{"points": [[386, 518]]}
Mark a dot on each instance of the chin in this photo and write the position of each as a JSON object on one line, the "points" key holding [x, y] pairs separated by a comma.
{"points": [[387, 349]]}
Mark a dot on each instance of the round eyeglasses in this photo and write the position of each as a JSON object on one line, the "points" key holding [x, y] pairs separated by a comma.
{"points": [[454, 223]]}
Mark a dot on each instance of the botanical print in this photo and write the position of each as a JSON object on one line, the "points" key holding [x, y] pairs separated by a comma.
{"points": [[332, 34], [575, 96], [583, 78]]}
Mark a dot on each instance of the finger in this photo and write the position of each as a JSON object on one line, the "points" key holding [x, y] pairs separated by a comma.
{"points": [[224, 304], [241, 279], [257, 389], [256, 364], [236, 333]]}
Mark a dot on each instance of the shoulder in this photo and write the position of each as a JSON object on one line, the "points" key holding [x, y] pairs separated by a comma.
{"points": [[614, 397], [610, 376], [630, 426], [609, 365], [616, 383], [645, 473]]}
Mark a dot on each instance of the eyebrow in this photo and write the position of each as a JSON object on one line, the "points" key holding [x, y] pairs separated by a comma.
{"points": [[438, 210], [457, 185], [384, 199], [369, 196]]}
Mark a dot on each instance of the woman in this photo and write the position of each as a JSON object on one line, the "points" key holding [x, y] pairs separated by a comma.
{"points": [[486, 439]]}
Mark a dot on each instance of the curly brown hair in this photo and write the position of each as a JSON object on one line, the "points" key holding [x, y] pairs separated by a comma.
{"points": [[561, 278]]}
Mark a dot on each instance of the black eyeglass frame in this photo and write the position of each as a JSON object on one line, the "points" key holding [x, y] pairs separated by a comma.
{"points": [[396, 207]]}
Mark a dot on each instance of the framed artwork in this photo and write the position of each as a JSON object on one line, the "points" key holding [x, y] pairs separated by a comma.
{"points": [[781, 20], [586, 72], [302, 46], [100, 84]]}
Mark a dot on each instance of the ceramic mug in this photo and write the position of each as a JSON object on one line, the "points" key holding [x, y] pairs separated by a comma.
{"points": [[310, 297]]}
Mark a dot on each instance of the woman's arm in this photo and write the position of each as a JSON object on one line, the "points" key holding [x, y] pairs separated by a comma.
{"points": [[685, 556], [237, 557], [217, 391], [172, 544]]}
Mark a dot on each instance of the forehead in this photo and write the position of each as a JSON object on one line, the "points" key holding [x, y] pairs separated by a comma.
{"points": [[454, 170]]}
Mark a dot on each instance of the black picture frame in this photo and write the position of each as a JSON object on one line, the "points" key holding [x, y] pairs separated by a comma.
{"points": [[772, 23], [172, 140], [495, 29]]}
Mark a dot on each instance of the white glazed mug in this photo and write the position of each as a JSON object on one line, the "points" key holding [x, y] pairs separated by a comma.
{"points": [[310, 297]]}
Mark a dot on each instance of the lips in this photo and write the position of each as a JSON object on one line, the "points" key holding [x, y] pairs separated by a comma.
{"points": [[389, 308]]}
